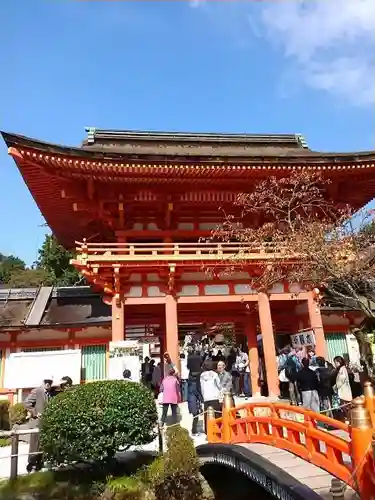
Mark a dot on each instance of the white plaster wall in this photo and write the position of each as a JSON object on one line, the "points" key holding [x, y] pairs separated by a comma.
{"points": [[277, 288], [295, 288], [193, 277], [216, 290], [206, 226], [235, 276], [134, 291], [189, 290], [185, 226], [135, 277], [154, 291], [153, 277], [243, 289]]}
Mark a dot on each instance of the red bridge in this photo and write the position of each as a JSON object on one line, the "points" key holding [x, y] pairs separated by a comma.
{"points": [[344, 451]]}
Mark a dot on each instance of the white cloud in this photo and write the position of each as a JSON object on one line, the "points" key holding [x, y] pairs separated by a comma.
{"points": [[195, 3], [332, 42]]}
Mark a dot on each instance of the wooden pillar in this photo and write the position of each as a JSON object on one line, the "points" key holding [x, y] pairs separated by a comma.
{"points": [[171, 330], [118, 320], [251, 335], [269, 349], [316, 324]]}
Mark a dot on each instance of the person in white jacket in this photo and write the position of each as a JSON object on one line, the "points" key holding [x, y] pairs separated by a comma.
{"points": [[211, 390]]}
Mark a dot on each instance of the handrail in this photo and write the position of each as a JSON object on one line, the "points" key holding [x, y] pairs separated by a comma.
{"points": [[14, 435], [286, 434], [349, 459], [102, 252], [168, 244]]}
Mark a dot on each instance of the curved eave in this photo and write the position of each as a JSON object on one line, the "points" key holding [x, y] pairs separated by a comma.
{"points": [[48, 169], [92, 154]]}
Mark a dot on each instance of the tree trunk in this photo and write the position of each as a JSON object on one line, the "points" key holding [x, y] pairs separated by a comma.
{"points": [[365, 350]]}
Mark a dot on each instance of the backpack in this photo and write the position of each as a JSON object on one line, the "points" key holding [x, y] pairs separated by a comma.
{"points": [[290, 367]]}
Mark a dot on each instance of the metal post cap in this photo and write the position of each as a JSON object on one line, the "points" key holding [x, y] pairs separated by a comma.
{"points": [[227, 400], [337, 489], [210, 413], [359, 415], [368, 389]]}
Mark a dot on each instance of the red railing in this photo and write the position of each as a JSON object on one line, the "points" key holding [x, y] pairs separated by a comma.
{"points": [[345, 451], [135, 252]]}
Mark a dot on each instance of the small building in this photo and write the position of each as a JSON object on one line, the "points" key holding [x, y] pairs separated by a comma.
{"points": [[137, 206]]}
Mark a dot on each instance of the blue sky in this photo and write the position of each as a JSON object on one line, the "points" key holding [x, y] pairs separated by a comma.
{"points": [[304, 67]]}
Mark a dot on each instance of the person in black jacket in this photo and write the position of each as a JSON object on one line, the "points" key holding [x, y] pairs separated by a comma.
{"points": [[325, 386], [308, 384], [194, 363], [195, 400]]}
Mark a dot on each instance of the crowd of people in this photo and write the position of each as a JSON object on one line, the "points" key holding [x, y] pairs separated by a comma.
{"points": [[205, 375], [208, 373], [316, 384]]}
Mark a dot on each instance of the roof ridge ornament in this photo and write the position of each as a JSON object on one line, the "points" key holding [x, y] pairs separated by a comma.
{"points": [[90, 134], [302, 141]]}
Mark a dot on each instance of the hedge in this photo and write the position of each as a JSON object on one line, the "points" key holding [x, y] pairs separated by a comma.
{"points": [[91, 422], [17, 414], [4, 414], [175, 475]]}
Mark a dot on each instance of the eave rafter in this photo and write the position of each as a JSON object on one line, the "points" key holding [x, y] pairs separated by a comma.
{"points": [[65, 164]]}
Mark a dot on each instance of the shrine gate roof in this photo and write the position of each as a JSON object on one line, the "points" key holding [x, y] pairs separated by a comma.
{"points": [[117, 145], [130, 162]]}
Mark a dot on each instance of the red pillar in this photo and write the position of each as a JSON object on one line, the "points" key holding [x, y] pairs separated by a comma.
{"points": [[251, 335], [316, 324], [269, 349], [118, 320], [171, 330]]}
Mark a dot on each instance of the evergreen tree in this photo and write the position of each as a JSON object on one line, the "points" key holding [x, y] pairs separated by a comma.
{"points": [[51, 269]]}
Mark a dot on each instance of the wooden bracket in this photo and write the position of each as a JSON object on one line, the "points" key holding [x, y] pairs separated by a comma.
{"points": [[171, 279]]}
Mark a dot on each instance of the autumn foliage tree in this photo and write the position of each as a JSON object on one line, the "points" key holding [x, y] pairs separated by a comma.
{"points": [[304, 237]]}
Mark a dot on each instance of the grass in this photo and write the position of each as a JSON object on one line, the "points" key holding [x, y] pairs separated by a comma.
{"points": [[4, 442]]}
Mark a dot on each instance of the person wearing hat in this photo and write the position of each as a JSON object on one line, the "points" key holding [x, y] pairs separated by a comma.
{"points": [[35, 403], [65, 383]]}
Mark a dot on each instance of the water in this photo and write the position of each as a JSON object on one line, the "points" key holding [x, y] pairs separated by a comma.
{"points": [[228, 484]]}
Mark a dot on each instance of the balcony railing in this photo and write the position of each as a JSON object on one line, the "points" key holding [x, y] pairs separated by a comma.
{"points": [[173, 252]]}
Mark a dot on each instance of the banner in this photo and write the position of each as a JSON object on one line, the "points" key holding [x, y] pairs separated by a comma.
{"points": [[124, 355], [27, 370]]}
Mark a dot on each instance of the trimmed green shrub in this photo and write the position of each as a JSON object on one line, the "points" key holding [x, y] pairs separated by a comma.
{"points": [[175, 475], [17, 414], [50, 486], [124, 488], [4, 414], [93, 421], [39, 484]]}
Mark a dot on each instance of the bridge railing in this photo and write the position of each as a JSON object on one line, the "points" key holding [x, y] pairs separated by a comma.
{"points": [[345, 451]]}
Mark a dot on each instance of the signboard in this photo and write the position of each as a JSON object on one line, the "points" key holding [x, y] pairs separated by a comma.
{"points": [[124, 355], [27, 370], [304, 338], [255, 474]]}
